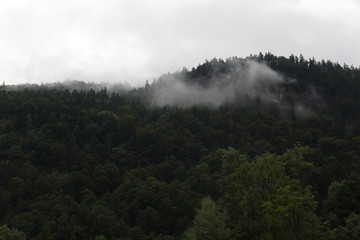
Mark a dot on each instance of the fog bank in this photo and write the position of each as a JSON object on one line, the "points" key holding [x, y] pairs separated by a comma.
{"points": [[242, 81]]}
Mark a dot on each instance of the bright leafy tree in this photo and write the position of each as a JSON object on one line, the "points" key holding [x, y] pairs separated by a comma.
{"points": [[209, 223]]}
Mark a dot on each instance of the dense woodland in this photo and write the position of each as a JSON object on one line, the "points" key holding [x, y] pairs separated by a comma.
{"points": [[104, 165]]}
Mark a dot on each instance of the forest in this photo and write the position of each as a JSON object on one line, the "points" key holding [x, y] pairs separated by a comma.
{"points": [[262, 147]]}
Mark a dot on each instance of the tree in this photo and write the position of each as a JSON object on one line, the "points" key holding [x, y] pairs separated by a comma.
{"points": [[231, 159], [351, 229], [267, 201], [7, 233], [343, 199], [209, 223]]}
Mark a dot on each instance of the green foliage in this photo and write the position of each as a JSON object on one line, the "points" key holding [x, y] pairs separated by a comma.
{"points": [[56, 214], [231, 159], [92, 164], [267, 201], [209, 223], [100, 237], [343, 199], [7, 233], [351, 229]]}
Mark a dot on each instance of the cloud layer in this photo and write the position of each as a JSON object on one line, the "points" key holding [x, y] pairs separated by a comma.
{"points": [[131, 41]]}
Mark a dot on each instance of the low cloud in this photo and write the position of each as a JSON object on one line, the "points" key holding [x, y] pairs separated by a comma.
{"points": [[241, 82]]}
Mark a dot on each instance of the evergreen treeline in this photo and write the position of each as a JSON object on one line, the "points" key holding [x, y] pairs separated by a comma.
{"points": [[105, 166]]}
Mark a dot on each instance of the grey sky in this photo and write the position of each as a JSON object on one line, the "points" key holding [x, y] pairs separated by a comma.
{"points": [[134, 40]]}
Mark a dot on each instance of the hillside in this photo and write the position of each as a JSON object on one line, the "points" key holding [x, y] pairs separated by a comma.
{"points": [[262, 147]]}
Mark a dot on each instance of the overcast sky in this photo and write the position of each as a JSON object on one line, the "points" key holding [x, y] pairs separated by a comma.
{"points": [[134, 40]]}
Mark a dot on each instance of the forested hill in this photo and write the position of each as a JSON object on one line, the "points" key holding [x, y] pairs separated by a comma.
{"points": [[264, 147], [263, 80]]}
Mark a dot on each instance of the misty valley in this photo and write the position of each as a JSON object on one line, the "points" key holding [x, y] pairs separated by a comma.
{"points": [[262, 147]]}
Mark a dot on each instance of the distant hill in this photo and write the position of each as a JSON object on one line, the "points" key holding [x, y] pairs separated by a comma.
{"points": [[289, 83]]}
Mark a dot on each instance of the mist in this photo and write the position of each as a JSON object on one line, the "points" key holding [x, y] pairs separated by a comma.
{"points": [[71, 85], [242, 82], [236, 82]]}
